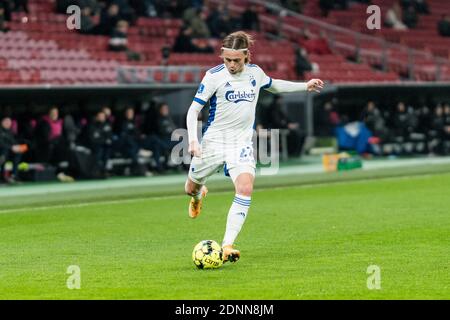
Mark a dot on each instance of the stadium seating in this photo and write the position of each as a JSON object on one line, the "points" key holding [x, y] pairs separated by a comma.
{"points": [[40, 49], [425, 37]]}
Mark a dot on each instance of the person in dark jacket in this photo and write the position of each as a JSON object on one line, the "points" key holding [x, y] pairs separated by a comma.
{"points": [[278, 119], [160, 142], [184, 43], [100, 140], [129, 136], [444, 25], [10, 150], [250, 19]]}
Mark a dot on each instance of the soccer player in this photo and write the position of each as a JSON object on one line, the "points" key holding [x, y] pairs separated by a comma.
{"points": [[232, 90]]}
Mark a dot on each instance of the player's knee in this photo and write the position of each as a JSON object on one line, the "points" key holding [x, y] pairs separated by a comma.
{"points": [[245, 189]]}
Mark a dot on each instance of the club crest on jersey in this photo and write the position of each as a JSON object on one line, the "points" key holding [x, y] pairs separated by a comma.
{"points": [[252, 81], [201, 88], [238, 96]]}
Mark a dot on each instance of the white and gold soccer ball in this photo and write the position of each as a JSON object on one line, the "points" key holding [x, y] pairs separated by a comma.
{"points": [[207, 254]]}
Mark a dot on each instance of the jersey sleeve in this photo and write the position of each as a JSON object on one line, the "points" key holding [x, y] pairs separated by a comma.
{"points": [[266, 81], [205, 90]]}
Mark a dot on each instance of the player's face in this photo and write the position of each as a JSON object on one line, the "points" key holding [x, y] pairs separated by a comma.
{"points": [[234, 60]]}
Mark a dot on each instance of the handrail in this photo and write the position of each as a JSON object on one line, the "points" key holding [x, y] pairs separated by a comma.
{"points": [[330, 26], [147, 74], [358, 37]]}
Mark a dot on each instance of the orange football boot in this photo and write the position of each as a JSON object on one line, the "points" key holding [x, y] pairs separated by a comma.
{"points": [[230, 254], [195, 206]]}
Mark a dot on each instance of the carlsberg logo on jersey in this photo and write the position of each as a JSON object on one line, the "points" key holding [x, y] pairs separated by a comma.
{"points": [[238, 96]]}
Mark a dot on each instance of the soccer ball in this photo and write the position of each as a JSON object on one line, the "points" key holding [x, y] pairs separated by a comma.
{"points": [[207, 254]]}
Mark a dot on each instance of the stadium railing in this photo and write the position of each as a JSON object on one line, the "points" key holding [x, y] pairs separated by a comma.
{"points": [[416, 64], [160, 74]]}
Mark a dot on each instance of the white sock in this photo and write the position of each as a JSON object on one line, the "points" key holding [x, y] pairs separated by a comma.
{"points": [[236, 218], [199, 195]]}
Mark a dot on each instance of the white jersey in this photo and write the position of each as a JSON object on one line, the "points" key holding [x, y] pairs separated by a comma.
{"points": [[233, 99]]}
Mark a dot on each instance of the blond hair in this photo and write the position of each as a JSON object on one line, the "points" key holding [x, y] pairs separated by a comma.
{"points": [[237, 41]]}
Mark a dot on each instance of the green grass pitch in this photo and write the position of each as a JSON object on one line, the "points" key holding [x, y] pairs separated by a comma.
{"points": [[304, 242]]}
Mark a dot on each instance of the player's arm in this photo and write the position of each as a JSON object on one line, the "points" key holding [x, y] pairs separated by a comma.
{"points": [[283, 86], [204, 92], [191, 123]]}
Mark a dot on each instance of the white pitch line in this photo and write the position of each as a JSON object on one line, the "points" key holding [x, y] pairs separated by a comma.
{"points": [[109, 202]]}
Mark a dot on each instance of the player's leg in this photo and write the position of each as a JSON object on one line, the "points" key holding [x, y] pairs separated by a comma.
{"points": [[243, 178], [197, 191], [199, 170]]}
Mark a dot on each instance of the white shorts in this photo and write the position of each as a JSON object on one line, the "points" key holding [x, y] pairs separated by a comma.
{"points": [[214, 159]]}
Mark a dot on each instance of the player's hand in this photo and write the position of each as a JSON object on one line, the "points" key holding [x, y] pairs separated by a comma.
{"points": [[314, 85], [195, 149]]}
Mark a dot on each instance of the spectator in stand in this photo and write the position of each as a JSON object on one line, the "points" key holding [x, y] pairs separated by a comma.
{"points": [[316, 45], [173, 8], [220, 22], [420, 6], [446, 114], [91, 4], [198, 24], [327, 5], [250, 19], [400, 120], [118, 40], [49, 137], [71, 131], [405, 124], [109, 116], [394, 18], [410, 17], [100, 141], [447, 128], [26, 132], [278, 119], [327, 119], [162, 141], [197, 19], [213, 19], [129, 136], [185, 44], [10, 150], [425, 117], [302, 63], [7, 6], [444, 25], [108, 20], [438, 131], [235, 20], [126, 12], [21, 6], [87, 25], [225, 25], [374, 121], [3, 25]]}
